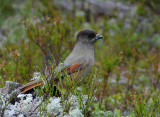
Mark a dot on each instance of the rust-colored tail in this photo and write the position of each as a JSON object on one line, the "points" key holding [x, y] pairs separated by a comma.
{"points": [[70, 69], [29, 86]]}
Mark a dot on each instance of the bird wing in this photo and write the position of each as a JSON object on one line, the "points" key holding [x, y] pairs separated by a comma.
{"points": [[69, 69]]}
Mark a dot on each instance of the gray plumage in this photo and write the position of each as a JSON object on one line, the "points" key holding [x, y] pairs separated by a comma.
{"points": [[80, 60]]}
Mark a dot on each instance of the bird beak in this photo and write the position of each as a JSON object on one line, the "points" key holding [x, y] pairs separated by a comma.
{"points": [[99, 37]]}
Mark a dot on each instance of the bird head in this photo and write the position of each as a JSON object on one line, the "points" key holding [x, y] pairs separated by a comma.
{"points": [[88, 36]]}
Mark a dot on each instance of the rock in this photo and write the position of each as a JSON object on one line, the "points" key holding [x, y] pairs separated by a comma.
{"points": [[10, 86], [103, 7]]}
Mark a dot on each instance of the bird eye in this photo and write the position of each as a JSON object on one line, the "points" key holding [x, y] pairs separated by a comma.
{"points": [[91, 35]]}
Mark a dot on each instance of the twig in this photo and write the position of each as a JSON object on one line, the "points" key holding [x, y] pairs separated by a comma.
{"points": [[35, 108]]}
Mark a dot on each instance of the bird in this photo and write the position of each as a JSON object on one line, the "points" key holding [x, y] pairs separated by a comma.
{"points": [[79, 62]]}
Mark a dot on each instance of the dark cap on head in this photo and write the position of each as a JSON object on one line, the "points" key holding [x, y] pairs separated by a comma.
{"points": [[88, 36]]}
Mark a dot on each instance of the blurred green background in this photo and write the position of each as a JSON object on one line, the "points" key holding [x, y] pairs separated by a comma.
{"points": [[127, 60]]}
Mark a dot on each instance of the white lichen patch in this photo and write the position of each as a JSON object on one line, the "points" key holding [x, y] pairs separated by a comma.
{"points": [[29, 106], [37, 76], [54, 107]]}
